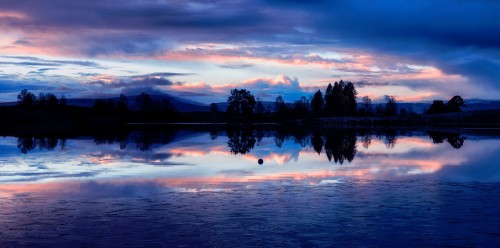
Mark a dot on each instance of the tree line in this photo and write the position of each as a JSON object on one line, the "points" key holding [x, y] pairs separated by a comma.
{"points": [[339, 99], [145, 108], [28, 100], [453, 105]]}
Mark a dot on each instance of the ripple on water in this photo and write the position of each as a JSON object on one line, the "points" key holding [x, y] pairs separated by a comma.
{"points": [[346, 213]]}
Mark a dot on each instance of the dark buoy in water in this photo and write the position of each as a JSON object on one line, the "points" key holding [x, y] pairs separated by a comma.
{"points": [[260, 161]]}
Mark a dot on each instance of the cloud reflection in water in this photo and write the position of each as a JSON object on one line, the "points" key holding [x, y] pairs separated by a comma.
{"points": [[200, 161]]}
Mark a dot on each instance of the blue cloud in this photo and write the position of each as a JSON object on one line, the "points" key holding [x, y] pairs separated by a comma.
{"points": [[457, 36]]}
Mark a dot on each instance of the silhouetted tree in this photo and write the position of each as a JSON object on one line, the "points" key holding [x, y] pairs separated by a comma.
{"points": [[144, 103], [240, 102], [100, 107], [279, 105], [122, 105], [47, 101], [63, 101], [379, 109], [52, 101], [338, 98], [407, 110], [367, 104], [455, 104], [214, 107], [26, 99], [390, 105], [110, 106], [317, 103], [41, 101], [437, 107], [329, 104], [300, 106], [259, 108], [349, 99], [164, 106]]}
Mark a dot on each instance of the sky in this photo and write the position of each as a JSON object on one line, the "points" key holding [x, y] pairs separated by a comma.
{"points": [[414, 50]]}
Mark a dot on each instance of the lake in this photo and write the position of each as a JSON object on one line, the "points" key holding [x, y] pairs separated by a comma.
{"points": [[251, 187]]}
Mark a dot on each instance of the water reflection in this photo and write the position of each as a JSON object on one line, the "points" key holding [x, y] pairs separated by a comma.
{"points": [[241, 141], [189, 158], [456, 140], [337, 145], [312, 188], [28, 143]]}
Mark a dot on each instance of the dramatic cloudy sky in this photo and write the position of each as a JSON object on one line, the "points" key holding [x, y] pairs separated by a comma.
{"points": [[416, 50]]}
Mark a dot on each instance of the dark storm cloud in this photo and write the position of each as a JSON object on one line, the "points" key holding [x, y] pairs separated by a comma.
{"points": [[134, 91], [164, 74], [362, 84], [188, 94], [34, 61], [22, 42], [128, 43], [131, 27], [142, 82], [39, 72], [117, 14], [457, 36], [88, 74]]}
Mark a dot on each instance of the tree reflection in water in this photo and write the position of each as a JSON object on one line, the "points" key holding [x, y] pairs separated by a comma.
{"points": [[29, 143], [456, 140], [366, 141], [338, 145], [240, 141], [317, 142], [213, 134]]}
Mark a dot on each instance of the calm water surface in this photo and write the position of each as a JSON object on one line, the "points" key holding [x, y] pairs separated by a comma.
{"points": [[186, 188]]}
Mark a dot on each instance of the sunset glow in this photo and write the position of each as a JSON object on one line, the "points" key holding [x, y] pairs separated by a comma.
{"points": [[200, 50]]}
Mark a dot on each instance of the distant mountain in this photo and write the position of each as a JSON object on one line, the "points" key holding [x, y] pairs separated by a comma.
{"points": [[182, 105], [417, 107], [478, 104]]}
